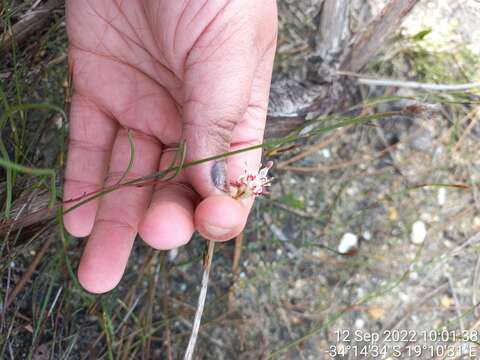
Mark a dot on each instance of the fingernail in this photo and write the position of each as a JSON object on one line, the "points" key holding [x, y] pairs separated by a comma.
{"points": [[219, 175], [216, 231]]}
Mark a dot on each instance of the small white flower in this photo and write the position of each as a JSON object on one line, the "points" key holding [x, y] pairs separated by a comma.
{"points": [[249, 185]]}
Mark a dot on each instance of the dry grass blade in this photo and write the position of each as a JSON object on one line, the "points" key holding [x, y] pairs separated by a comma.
{"points": [[201, 301]]}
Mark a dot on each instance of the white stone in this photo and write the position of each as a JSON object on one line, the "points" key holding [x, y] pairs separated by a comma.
{"points": [[359, 323], [351, 191], [326, 153], [413, 276], [404, 297], [367, 235], [172, 254], [348, 243], [419, 232], [442, 196]]}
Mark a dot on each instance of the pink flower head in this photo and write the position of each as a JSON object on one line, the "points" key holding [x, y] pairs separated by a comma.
{"points": [[249, 185]]}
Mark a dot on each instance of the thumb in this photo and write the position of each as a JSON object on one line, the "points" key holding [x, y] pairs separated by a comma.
{"points": [[218, 81], [223, 76]]}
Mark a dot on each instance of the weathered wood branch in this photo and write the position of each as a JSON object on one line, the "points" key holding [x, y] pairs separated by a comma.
{"points": [[330, 97], [30, 23], [367, 43], [334, 28]]}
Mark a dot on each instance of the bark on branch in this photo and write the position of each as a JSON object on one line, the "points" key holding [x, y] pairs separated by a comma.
{"points": [[334, 28], [30, 23], [328, 99], [380, 29]]}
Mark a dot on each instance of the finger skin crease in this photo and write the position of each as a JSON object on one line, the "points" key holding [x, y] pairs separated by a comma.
{"points": [[87, 146], [219, 135], [177, 186], [207, 27], [116, 224], [126, 63]]}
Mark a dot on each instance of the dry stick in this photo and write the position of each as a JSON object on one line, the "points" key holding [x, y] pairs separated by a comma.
{"points": [[418, 85], [314, 148], [378, 31], [410, 310], [201, 301], [152, 285], [297, 212], [29, 24], [237, 253], [474, 115], [457, 303], [327, 168], [165, 305], [28, 274], [236, 262], [475, 285]]}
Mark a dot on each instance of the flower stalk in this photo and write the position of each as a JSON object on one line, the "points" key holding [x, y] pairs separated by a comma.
{"points": [[247, 185]]}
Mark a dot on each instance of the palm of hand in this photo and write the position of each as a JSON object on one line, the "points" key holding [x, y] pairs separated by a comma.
{"points": [[192, 70]]}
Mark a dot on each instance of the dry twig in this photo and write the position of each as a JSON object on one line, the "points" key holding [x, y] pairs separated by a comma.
{"points": [[28, 274], [30, 23], [367, 43], [201, 301]]}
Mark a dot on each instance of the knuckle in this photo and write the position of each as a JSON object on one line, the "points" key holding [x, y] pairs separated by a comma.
{"points": [[217, 134], [216, 126]]}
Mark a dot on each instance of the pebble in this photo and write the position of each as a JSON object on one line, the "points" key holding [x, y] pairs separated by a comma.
{"points": [[58, 122], [446, 301], [404, 297], [279, 234], [419, 232], [367, 235], [423, 140], [348, 243], [442, 196], [359, 323], [376, 312], [326, 153], [351, 191], [476, 221], [172, 254]]}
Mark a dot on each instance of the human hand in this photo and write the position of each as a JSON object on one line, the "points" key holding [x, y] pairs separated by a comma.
{"points": [[192, 70]]}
